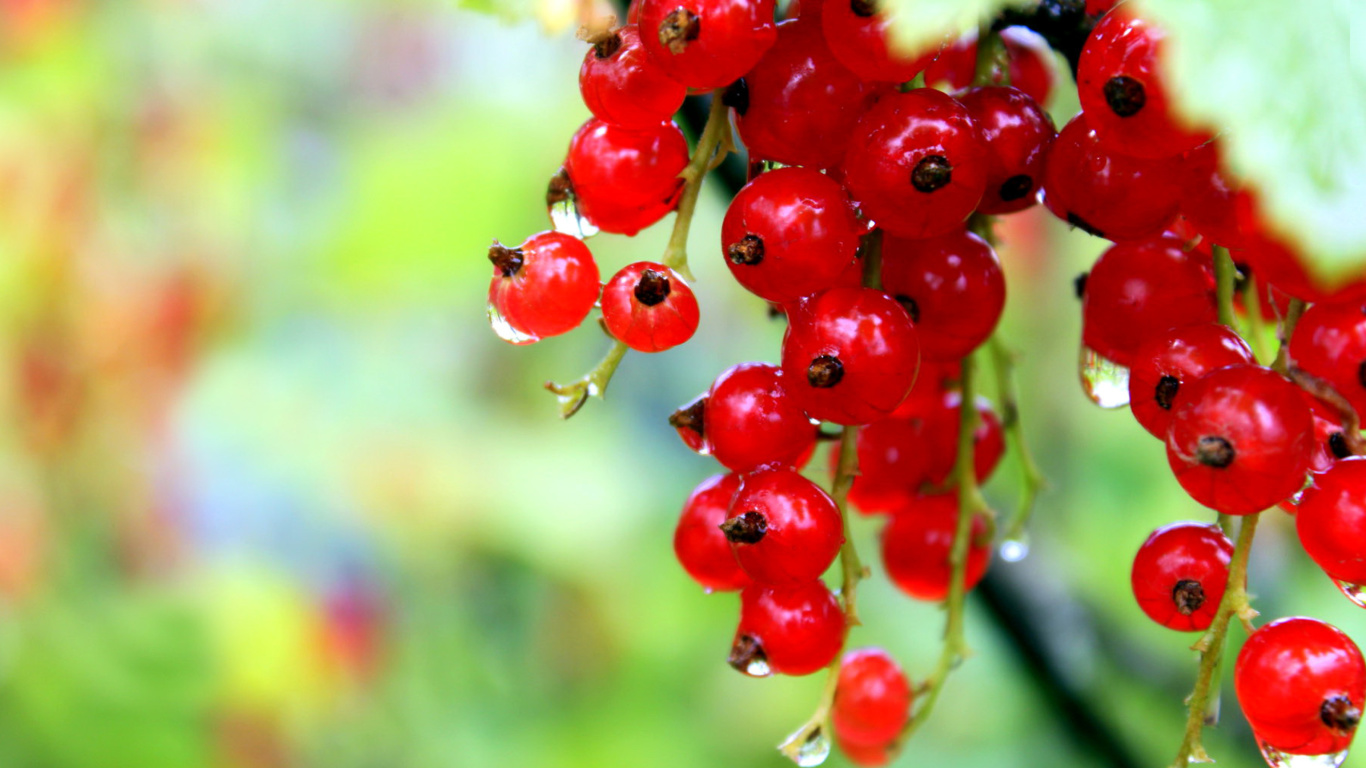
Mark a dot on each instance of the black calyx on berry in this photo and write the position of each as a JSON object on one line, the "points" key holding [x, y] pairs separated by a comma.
{"points": [[1165, 391], [679, 28], [1340, 714], [1214, 451], [1337, 445], [690, 416], [864, 8], [931, 173], [748, 528], [748, 250], [1188, 596], [736, 96], [559, 189], [1361, 373], [507, 260], [1079, 284], [912, 308], [607, 45], [1125, 95], [1016, 187], [825, 372], [652, 288], [747, 655]]}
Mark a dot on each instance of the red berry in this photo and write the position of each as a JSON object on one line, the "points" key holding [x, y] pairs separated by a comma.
{"points": [[934, 379], [1122, 92], [543, 287], [622, 85], [783, 527], [707, 43], [1208, 197], [1107, 194], [1330, 442], [789, 234], [699, 544], [952, 287], [1241, 439], [649, 307], [851, 355], [872, 698], [1018, 133], [1138, 291], [1331, 521], [798, 104], [1330, 342], [690, 422], [916, 545], [860, 754], [1301, 684], [857, 30], [1164, 365], [752, 419], [625, 180], [1180, 573], [788, 629], [917, 163], [1027, 52]]}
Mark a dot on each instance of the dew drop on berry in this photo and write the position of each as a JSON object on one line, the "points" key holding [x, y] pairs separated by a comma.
{"points": [[806, 749], [1354, 592], [1013, 550], [1278, 759], [1103, 380], [505, 329], [565, 217]]}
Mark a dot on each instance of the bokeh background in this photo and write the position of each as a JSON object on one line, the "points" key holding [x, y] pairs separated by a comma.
{"points": [[273, 494]]}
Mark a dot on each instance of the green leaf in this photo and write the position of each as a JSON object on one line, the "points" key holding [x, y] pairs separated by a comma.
{"points": [[1287, 87], [917, 24]]}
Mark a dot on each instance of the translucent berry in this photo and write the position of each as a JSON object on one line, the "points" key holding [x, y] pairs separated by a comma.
{"points": [[787, 629], [1164, 365], [543, 287], [872, 698], [621, 85], [916, 545], [1331, 521], [1330, 342], [783, 527], [1180, 573], [699, 544], [857, 33], [753, 420], [707, 43], [1018, 133], [951, 286], [649, 307], [624, 180]]}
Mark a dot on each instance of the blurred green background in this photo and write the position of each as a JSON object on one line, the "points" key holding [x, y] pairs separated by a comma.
{"points": [[273, 494]]}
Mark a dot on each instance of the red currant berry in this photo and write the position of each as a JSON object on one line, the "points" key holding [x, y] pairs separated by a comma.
{"points": [[1122, 93], [787, 629], [1301, 684], [649, 307], [622, 85], [707, 43], [872, 698], [916, 545], [690, 422], [783, 527], [699, 544], [799, 105], [951, 286], [1241, 439], [917, 163], [1018, 133], [856, 31], [1330, 342], [1180, 573], [752, 420], [789, 233], [1330, 441], [1331, 521], [1107, 194], [1138, 291], [1027, 52], [625, 180], [860, 754], [1162, 366], [851, 355], [934, 379], [1208, 197], [543, 287]]}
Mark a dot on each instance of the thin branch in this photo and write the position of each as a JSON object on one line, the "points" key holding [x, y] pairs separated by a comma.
{"points": [[1031, 479]]}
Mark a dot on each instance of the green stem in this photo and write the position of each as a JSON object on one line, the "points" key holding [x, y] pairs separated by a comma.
{"points": [[1292, 318], [1031, 479], [988, 44], [573, 395], [712, 147], [1256, 322], [1225, 274], [872, 259]]}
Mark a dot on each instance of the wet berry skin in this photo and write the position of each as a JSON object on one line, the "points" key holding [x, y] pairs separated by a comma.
{"points": [[1301, 684], [796, 629], [625, 180], [917, 164], [872, 698], [753, 420], [649, 307], [699, 544], [916, 545], [783, 527], [1018, 133], [1164, 365], [1330, 342], [952, 286], [850, 355], [707, 43], [1331, 521], [545, 286], [1180, 573], [1241, 440], [789, 233], [624, 86], [860, 43]]}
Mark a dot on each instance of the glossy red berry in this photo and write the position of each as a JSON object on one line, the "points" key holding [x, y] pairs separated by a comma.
{"points": [[648, 307], [1331, 521], [620, 84], [917, 163], [789, 233], [1164, 365], [857, 33], [1122, 92], [787, 629], [1104, 193], [783, 527], [1330, 442], [699, 544], [543, 287], [707, 43], [799, 105], [951, 286], [872, 698], [851, 355], [1029, 63], [1018, 133], [1241, 439], [624, 180], [916, 545], [1301, 684], [1180, 573], [1209, 195], [1330, 342], [752, 419]]}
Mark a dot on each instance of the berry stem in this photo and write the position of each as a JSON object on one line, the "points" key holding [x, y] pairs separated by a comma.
{"points": [[988, 48], [1256, 323], [573, 395], [1287, 329], [872, 259], [1031, 479], [713, 145], [1225, 274]]}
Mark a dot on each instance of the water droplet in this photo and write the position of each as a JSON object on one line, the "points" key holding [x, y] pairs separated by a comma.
{"points": [[1278, 759], [1354, 592], [1103, 380], [758, 667], [1014, 550], [807, 748], [565, 217], [506, 331]]}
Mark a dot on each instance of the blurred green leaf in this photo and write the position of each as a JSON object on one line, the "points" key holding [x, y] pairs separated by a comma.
{"points": [[917, 23]]}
